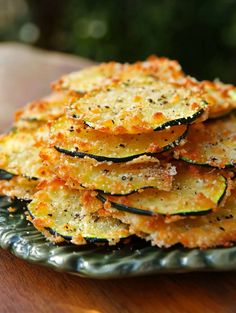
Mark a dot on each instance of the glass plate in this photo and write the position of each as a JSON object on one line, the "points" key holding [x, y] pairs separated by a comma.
{"points": [[134, 259]]}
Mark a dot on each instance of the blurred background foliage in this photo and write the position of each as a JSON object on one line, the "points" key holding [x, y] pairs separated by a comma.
{"points": [[201, 34]]}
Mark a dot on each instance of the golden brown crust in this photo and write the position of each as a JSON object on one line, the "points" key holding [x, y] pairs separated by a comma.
{"points": [[72, 214], [19, 187], [134, 107], [105, 74], [66, 206], [220, 97], [111, 178], [78, 140], [211, 143], [44, 110], [213, 230], [19, 151], [194, 192]]}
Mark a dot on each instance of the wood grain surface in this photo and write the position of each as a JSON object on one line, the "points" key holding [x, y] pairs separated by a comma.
{"points": [[29, 288]]}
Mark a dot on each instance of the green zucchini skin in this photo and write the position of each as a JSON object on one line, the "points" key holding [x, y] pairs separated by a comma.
{"points": [[78, 154], [7, 202], [69, 238], [120, 194], [179, 121], [125, 208], [53, 232], [66, 213], [212, 186], [82, 155], [132, 210], [4, 175], [206, 165], [118, 110], [112, 179]]}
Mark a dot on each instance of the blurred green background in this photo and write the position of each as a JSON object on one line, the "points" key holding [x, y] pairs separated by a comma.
{"points": [[201, 34]]}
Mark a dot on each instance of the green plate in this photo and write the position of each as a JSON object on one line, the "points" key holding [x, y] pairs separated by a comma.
{"points": [[20, 237]]}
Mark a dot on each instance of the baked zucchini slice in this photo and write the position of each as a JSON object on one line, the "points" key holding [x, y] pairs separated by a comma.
{"points": [[194, 192], [208, 231], [215, 229], [68, 138], [109, 178], [74, 215], [149, 71], [222, 98], [89, 78], [211, 144], [159, 68], [19, 152], [19, 187], [133, 108], [97, 77], [49, 108]]}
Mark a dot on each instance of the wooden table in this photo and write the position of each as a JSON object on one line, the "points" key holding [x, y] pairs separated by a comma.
{"points": [[29, 288]]}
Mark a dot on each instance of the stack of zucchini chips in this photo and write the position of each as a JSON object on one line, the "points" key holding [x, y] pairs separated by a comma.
{"points": [[123, 150]]}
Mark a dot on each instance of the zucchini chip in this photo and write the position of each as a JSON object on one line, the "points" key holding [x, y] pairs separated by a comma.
{"points": [[49, 108], [88, 79], [159, 68], [133, 108], [212, 230], [69, 139], [212, 143], [19, 187], [97, 77], [222, 98], [194, 192], [19, 152], [73, 215], [109, 178]]}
